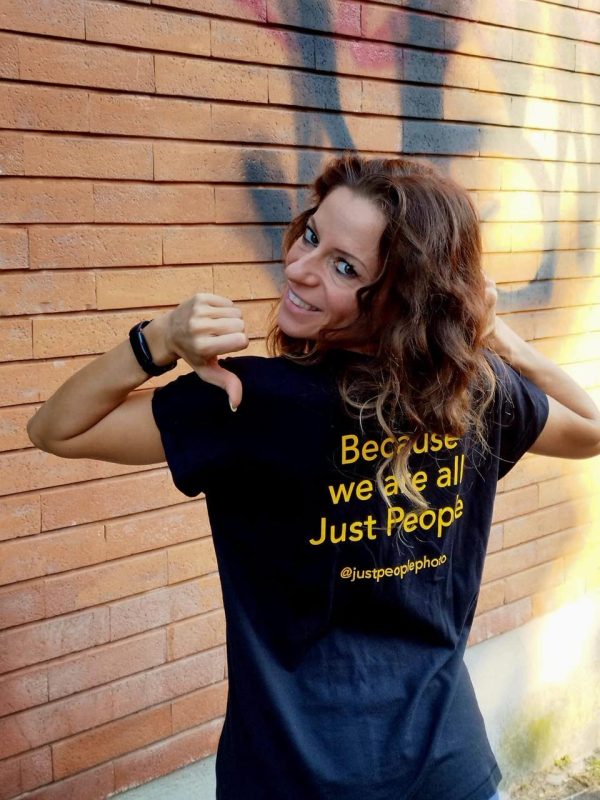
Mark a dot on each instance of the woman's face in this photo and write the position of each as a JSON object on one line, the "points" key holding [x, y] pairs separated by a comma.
{"points": [[336, 255]]}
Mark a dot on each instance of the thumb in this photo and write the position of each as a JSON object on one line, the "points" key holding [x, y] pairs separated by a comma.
{"points": [[215, 374]]}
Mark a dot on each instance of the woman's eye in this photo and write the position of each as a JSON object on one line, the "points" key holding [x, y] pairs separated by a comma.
{"points": [[310, 236], [344, 268]]}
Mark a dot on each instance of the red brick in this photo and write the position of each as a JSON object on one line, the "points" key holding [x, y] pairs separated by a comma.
{"points": [[570, 542], [469, 37], [58, 335], [210, 79], [210, 597], [168, 286], [570, 349], [85, 65], [110, 740], [154, 609], [247, 9], [14, 248], [46, 201], [51, 552], [295, 88], [39, 107], [96, 585], [106, 664], [41, 292], [21, 603], [199, 706], [94, 784], [194, 161], [138, 614], [496, 540], [25, 470], [55, 721], [511, 207], [568, 487], [256, 316], [10, 779], [232, 40], [248, 281], [308, 128], [25, 772], [540, 523], [515, 503], [166, 756], [36, 768], [15, 339], [13, 422], [23, 690], [567, 320], [196, 634], [20, 516], [87, 157], [533, 469], [36, 383], [62, 18], [160, 203], [511, 266], [103, 500], [510, 561], [41, 641], [338, 17], [191, 559], [169, 681], [552, 599], [148, 116], [360, 57], [490, 596], [532, 580], [235, 204], [149, 28], [500, 620], [9, 56], [155, 529], [94, 246], [209, 243], [187, 599]]}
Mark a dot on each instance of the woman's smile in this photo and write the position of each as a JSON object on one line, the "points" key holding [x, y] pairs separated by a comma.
{"points": [[298, 302]]}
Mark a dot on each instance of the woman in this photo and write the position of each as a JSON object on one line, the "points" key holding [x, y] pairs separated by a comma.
{"points": [[351, 492]]}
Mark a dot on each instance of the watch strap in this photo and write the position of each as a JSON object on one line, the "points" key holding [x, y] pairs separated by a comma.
{"points": [[142, 351]]}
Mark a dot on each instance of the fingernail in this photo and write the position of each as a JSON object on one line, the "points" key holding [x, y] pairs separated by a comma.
{"points": [[232, 407]]}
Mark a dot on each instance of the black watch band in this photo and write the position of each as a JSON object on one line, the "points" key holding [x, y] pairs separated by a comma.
{"points": [[142, 351]]}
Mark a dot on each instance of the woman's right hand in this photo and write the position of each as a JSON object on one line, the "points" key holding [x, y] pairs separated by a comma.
{"points": [[199, 330]]}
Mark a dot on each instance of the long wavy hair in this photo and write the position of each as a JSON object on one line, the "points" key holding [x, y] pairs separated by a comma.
{"points": [[423, 318]]}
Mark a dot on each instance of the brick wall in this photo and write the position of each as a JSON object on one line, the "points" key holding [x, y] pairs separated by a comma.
{"points": [[151, 150]]}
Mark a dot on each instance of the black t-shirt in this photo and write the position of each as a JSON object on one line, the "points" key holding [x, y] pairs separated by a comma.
{"points": [[346, 619]]}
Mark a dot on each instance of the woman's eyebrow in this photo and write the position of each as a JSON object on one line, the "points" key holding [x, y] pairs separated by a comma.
{"points": [[312, 222]]}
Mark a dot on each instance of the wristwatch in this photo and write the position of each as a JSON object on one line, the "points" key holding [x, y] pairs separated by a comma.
{"points": [[142, 351]]}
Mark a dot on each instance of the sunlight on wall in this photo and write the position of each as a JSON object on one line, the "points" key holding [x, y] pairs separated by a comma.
{"points": [[564, 640]]}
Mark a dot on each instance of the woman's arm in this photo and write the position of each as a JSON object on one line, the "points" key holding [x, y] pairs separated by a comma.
{"points": [[94, 415], [573, 426]]}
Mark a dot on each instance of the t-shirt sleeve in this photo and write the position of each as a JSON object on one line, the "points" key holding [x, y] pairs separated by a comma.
{"points": [[196, 426], [523, 414]]}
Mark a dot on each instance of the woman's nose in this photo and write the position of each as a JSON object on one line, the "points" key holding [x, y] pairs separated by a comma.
{"points": [[304, 269]]}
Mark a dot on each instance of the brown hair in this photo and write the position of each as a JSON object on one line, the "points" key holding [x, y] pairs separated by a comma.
{"points": [[424, 316]]}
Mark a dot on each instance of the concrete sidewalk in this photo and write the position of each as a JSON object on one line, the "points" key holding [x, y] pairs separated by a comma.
{"points": [[194, 782]]}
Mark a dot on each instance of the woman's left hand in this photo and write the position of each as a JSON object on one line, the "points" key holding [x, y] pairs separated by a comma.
{"points": [[491, 298]]}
